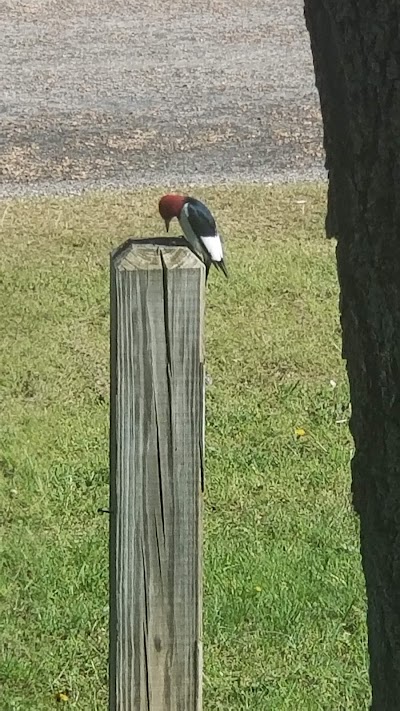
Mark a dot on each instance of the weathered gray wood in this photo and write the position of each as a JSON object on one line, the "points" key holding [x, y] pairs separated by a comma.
{"points": [[156, 463]]}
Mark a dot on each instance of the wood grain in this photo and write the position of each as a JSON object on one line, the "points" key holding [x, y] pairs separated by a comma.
{"points": [[156, 473]]}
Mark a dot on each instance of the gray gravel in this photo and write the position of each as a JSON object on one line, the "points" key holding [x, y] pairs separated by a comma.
{"points": [[111, 93]]}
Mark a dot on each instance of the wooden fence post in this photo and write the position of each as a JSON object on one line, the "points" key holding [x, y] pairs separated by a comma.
{"points": [[156, 477]]}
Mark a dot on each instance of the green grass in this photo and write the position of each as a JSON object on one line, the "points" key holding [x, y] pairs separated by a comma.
{"points": [[284, 600]]}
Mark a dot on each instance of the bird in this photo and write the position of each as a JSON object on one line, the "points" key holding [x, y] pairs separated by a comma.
{"points": [[199, 227]]}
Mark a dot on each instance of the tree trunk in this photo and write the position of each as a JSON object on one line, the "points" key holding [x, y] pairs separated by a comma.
{"points": [[356, 50]]}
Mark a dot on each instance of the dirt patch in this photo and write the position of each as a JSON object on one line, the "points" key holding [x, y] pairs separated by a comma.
{"points": [[126, 93]]}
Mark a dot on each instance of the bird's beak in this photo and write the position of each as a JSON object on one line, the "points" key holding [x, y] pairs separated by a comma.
{"points": [[167, 224]]}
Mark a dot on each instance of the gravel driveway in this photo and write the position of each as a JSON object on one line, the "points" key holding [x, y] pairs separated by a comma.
{"points": [[100, 93]]}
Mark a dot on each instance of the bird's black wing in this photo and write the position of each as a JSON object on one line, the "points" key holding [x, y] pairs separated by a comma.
{"points": [[200, 218]]}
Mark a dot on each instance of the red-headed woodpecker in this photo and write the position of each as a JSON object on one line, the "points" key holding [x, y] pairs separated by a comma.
{"points": [[198, 226]]}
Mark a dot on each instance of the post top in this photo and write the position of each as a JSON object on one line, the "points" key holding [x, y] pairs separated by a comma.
{"points": [[155, 253]]}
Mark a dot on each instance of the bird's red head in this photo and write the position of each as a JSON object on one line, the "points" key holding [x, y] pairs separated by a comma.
{"points": [[170, 206]]}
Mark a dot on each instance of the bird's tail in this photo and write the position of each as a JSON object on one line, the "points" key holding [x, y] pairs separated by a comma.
{"points": [[222, 266]]}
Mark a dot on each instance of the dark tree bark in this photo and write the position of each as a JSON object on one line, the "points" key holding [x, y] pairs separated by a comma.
{"points": [[356, 50]]}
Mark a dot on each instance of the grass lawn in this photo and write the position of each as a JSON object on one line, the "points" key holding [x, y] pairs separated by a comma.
{"points": [[284, 600]]}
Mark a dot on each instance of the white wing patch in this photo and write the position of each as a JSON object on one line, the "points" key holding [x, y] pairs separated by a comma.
{"points": [[213, 246]]}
